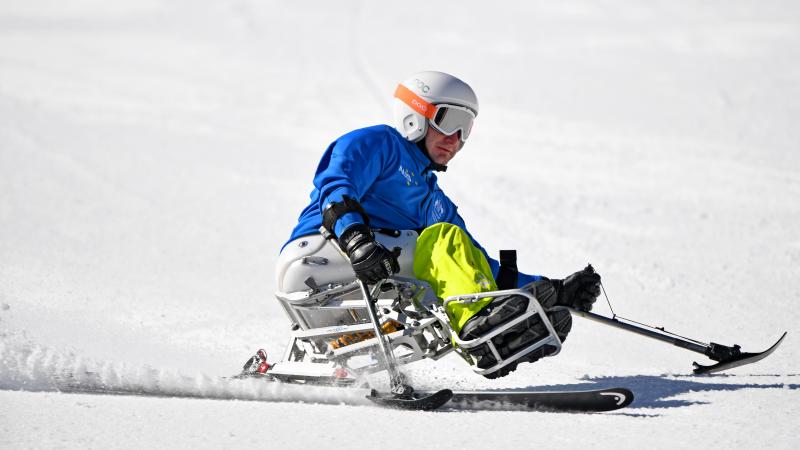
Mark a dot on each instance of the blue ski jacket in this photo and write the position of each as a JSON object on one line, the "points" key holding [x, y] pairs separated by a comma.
{"points": [[392, 179]]}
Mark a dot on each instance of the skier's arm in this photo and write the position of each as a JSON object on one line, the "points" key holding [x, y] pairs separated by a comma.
{"points": [[347, 169]]}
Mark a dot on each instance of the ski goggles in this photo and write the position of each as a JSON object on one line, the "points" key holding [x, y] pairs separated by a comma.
{"points": [[445, 118]]}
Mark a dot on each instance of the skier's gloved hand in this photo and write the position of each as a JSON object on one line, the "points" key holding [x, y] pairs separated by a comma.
{"points": [[371, 261], [579, 290]]}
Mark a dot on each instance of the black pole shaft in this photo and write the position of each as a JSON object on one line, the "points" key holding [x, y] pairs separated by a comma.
{"points": [[676, 341], [388, 357]]}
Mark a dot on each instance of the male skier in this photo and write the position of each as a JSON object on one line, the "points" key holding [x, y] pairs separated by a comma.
{"points": [[380, 182]]}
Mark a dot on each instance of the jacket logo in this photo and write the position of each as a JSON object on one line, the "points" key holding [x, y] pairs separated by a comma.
{"points": [[438, 210], [408, 175]]}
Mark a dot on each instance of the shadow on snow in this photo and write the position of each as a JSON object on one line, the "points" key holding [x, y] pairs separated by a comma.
{"points": [[658, 392]]}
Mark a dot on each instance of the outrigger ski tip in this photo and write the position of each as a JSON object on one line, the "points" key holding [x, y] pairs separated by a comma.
{"points": [[730, 357]]}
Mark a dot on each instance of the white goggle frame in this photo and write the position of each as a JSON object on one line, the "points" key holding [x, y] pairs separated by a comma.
{"points": [[449, 119]]}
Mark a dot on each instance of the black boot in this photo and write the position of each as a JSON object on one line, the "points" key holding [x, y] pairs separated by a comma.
{"points": [[504, 309]]}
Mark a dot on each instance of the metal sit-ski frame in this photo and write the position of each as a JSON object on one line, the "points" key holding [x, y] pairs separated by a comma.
{"points": [[424, 330]]}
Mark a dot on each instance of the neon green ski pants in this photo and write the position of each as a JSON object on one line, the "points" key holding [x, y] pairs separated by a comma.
{"points": [[447, 259]]}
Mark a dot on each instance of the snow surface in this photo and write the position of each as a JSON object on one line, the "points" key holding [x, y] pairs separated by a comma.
{"points": [[154, 156]]}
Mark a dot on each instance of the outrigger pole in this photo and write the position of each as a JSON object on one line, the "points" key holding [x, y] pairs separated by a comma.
{"points": [[727, 357]]}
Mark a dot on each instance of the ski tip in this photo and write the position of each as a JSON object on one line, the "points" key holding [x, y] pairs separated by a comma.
{"points": [[740, 360], [622, 396]]}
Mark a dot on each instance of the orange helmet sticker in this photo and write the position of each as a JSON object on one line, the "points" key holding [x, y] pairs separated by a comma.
{"points": [[416, 102]]}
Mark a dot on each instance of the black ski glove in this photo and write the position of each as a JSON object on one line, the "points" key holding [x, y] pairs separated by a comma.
{"points": [[371, 261], [579, 290]]}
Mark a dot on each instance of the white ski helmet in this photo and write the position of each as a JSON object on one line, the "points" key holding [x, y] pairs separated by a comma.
{"points": [[416, 100]]}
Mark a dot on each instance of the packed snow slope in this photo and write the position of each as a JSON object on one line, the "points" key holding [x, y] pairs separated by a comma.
{"points": [[154, 156]]}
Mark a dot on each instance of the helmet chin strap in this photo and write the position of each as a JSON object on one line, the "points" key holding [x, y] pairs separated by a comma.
{"points": [[436, 167]]}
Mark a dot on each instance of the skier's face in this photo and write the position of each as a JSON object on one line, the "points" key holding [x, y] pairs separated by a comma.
{"points": [[442, 148]]}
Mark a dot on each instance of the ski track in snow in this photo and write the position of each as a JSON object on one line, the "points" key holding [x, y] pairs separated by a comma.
{"points": [[26, 367], [36, 369]]}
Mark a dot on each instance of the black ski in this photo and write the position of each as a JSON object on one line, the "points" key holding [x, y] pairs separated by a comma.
{"points": [[735, 358], [418, 401], [597, 400]]}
